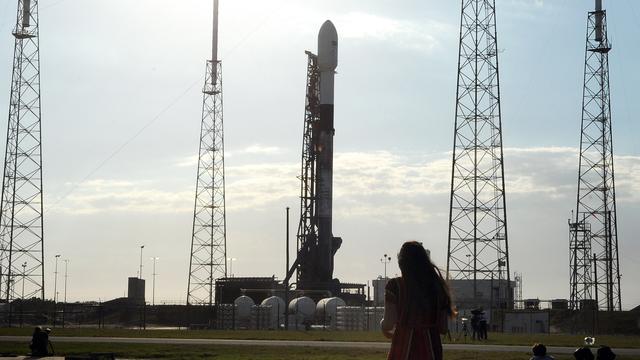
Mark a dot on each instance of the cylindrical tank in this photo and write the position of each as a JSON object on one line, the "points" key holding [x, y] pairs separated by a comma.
{"points": [[327, 308], [243, 307], [303, 308], [277, 307]]}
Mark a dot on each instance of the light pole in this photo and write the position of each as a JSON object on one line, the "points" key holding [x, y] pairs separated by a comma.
{"points": [[55, 282], [66, 275], [24, 270], [140, 273], [385, 260], [231, 260], [153, 296]]}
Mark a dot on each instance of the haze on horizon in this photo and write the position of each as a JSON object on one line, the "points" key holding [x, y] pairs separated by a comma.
{"points": [[121, 91]]}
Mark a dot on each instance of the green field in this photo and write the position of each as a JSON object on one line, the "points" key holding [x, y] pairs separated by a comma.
{"points": [[258, 352], [318, 335]]}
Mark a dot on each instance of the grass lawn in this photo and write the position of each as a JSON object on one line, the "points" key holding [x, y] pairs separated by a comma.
{"points": [[614, 341], [258, 352]]}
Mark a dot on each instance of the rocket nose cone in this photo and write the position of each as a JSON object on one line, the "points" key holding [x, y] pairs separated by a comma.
{"points": [[328, 47]]}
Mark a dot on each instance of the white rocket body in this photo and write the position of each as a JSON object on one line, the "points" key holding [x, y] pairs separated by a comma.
{"points": [[327, 63]]}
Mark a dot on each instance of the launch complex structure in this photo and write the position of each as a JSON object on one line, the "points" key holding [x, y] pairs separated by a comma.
{"points": [[478, 263]]}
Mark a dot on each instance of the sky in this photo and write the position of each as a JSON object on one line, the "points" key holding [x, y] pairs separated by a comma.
{"points": [[121, 98]]}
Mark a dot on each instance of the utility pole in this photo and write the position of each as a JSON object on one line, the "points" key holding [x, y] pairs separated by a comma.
{"points": [[24, 267], [55, 281], [286, 278], [140, 272], [64, 305], [153, 296], [66, 276], [55, 292]]}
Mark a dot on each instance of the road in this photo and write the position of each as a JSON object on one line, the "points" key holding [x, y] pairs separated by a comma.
{"points": [[291, 343]]}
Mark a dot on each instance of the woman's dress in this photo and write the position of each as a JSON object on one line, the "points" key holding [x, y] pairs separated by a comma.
{"points": [[417, 335]]}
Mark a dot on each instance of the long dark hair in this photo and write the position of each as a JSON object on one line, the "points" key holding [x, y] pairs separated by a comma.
{"points": [[426, 287]]}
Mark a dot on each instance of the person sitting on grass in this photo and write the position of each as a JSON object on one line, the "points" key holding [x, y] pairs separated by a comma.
{"points": [[583, 353], [39, 342], [605, 353], [416, 307], [540, 352]]}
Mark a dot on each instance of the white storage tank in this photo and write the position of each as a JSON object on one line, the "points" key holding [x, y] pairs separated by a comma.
{"points": [[327, 309], [243, 307], [277, 310], [303, 308]]}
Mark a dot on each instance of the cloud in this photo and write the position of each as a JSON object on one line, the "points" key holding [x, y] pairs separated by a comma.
{"points": [[107, 195], [262, 150], [402, 187], [256, 149], [403, 33], [187, 161]]}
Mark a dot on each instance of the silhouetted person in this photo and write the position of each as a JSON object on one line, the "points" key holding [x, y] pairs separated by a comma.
{"points": [[475, 324], [540, 352], [483, 327], [39, 342], [605, 353], [416, 308], [583, 353]]}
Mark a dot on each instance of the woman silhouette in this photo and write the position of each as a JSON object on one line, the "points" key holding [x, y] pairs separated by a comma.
{"points": [[417, 306]]}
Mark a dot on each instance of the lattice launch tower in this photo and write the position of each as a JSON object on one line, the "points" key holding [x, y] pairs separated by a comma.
{"points": [[209, 235], [593, 231], [478, 246], [21, 215]]}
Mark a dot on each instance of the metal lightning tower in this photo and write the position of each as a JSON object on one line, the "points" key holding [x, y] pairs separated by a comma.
{"points": [[209, 237], [594, 264], [21, 221], [478, 247]]}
